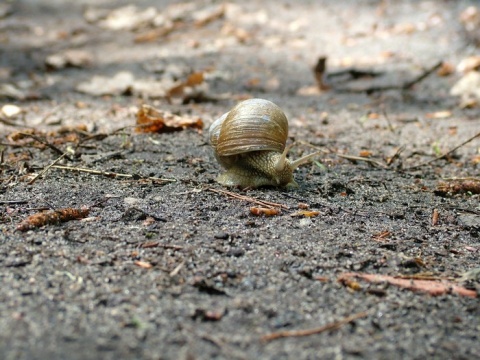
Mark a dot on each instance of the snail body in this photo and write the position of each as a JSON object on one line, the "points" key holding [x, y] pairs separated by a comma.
{"points": [[250, 143]]}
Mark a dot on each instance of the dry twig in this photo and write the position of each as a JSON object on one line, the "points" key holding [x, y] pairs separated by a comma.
{"points": [[443, 155], [109, 174], [249, 199], [46, 143], [296, 333], [432, 287], [52, 217], [46, 169]]}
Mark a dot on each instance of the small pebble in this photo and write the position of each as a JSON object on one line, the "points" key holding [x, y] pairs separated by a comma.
{"points": [[221, 236]]}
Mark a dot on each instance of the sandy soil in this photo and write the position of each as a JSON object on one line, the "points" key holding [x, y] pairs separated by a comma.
{"points": [[174, 270]]}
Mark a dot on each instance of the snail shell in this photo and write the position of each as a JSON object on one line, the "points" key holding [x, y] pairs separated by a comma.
{"points": [[252, 125], [250, 142]]}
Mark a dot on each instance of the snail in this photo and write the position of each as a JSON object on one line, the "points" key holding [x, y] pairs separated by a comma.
{"points": [[250, 143]]}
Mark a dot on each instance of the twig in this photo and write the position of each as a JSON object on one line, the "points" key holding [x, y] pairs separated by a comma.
{"points": [[177, 269], [405, 86], [149, 245], [360, 158], [348, 157], [101, 136], [46, 143], [387, 118], [297, 333], [13, 201], [443, 155], [249, 199], [46, 169], [422, 76], [109, 174], [319, 73], [395, 156], [461, 179]]}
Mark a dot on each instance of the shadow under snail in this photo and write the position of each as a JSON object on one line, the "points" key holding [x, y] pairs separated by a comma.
{"points": [[250, 143]]}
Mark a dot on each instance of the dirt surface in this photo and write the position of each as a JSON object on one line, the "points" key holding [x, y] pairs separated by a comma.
{"points": [[173, 270]]}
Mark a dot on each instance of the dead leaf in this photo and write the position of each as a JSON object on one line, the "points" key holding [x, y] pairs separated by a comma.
{"points": [[158, 121]]}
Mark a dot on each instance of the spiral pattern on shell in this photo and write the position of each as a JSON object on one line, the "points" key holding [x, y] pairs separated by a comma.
{"points": [[252, 125]]}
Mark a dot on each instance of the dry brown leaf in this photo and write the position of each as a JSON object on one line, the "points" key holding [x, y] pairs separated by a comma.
{"points": [[150, 119], [192, 87]]}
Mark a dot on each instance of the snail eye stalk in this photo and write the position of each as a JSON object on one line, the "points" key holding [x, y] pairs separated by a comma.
{"points": [[283, 159]]}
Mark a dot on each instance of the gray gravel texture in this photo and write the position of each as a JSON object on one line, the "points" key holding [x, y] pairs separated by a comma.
{"points": [[220, 277]]}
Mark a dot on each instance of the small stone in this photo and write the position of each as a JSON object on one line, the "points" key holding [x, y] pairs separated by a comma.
{"points": [[221, 236], [10, 110], [236, 252]]}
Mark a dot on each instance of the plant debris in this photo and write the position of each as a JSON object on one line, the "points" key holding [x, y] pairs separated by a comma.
{"points": [[153, 120], [432, 287], [297, 333], [263, 203], [306, 213], [52, 217], [258, 211], [143, 264], [453, 187]]}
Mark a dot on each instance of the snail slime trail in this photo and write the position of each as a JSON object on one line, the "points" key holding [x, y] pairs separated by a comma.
{"points": [[249, 141]]}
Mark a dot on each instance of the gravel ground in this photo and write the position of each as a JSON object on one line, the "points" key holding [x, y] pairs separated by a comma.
{"points": [[181, 270]]}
